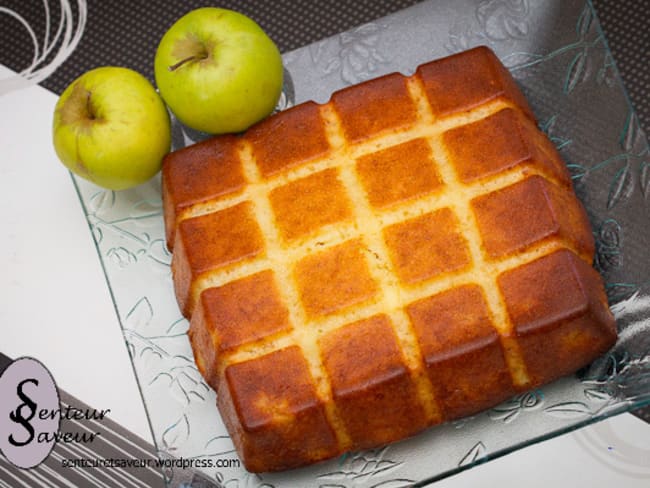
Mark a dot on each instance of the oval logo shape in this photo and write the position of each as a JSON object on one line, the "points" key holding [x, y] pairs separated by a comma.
{"points": [[29, 412]]}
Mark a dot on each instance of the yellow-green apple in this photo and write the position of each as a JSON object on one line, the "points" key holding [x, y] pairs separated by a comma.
{"points": [[218, 71], [112, 128]]}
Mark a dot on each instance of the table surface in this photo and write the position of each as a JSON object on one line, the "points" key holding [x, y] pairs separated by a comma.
{"points": [[128, 36], [291, 24]]}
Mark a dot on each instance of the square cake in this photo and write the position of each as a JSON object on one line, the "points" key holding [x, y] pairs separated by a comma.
{"points": [[408, 253]]}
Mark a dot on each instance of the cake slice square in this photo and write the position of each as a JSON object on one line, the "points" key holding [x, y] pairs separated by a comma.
{"points": [[373, 389], [334, 279], [280, 143], [304, 206], [559, 312], [462, 350], [399, 173], [469, 79], [272, 407], [543, 211], [426, 246], [497, 143], [368, 109]]}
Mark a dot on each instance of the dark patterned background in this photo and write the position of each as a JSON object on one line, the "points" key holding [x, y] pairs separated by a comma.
{"points": [[127, 34]]}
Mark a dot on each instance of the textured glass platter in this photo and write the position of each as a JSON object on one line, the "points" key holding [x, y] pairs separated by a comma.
{"points": [[557, 53]]}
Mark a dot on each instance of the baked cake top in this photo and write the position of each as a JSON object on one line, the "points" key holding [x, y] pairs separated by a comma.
{"points": [[329, 231]]}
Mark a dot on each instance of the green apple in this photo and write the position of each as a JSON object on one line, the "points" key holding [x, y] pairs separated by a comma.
{"points": [[111, 127], [218, 71]]}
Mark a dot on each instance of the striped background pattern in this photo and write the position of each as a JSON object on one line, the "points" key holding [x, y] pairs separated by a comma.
{"points": [[113, 442], [128, 36]]}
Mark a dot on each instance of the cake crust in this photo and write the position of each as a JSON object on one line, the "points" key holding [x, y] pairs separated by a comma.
{"points": [[408, 253]]}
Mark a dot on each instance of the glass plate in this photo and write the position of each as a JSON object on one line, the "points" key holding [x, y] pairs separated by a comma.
{"points": [[557, 52]]}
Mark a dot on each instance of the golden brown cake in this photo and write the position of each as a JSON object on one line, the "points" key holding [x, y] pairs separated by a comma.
{"points": [[408, 253]]}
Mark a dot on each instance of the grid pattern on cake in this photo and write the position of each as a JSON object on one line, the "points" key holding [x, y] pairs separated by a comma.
{"points": [[312, 289], [344, 258]]}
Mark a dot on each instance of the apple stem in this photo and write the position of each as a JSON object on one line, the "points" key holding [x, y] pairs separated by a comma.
{"points": [[89, 106], [174, 67]]}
